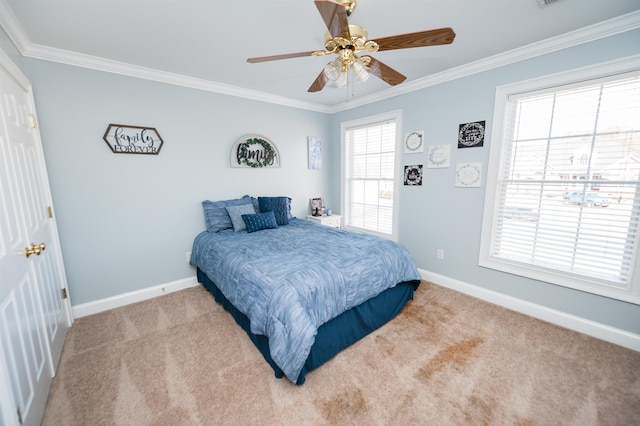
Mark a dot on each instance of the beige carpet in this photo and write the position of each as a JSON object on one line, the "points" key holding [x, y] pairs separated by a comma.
{"points": [[180, 359]]}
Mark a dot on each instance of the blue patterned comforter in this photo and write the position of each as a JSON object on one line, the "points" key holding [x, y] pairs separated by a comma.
{"points": [[290, 280]]}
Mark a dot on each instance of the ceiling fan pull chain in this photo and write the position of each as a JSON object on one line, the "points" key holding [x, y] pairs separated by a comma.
{"points": [[347, 87], [353, 82]]}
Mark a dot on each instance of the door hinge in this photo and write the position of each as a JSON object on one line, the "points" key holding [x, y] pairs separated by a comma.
{"points": [[19, 415], [34, 124], [64, 293], [50, 212]]}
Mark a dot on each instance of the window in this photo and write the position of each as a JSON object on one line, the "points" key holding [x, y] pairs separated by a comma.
{"points": [[563, 194], [369, 172]]}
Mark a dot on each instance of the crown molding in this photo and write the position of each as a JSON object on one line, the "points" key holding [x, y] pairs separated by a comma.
{"points": [[62, 56], [7, 63], [13, 28], [594, 32], [621, 24]]}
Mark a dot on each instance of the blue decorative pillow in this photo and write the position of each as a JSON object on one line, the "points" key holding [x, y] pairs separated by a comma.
{"points": [[215, 213], [256, 205], [280, 206], [236, 212], [260, 221]]}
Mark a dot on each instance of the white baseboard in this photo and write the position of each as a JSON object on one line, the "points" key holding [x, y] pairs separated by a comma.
{"points": [[562, 319], [90, 308]]}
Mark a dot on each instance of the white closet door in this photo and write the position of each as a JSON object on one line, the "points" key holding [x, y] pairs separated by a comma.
{"points": [[34, 317]]}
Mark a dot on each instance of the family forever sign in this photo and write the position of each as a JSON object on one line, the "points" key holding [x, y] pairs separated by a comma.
{"points": [[124, 139], [254, 151]]}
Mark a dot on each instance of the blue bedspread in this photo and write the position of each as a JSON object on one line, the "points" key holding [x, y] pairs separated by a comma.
{"points": [[290, 280]]}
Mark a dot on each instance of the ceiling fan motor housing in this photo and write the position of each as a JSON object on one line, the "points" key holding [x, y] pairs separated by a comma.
{"points": [[358, 39], [350, 5]]}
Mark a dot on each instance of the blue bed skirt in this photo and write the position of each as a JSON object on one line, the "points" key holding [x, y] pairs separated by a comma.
{"points": [[333, 336]]}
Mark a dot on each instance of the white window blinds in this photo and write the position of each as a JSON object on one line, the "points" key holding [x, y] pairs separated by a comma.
{"points": [[369, 169], [566, 197]]}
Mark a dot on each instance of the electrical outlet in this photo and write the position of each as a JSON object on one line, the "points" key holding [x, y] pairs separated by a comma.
{"points": [[188, 256], [440, 254]]}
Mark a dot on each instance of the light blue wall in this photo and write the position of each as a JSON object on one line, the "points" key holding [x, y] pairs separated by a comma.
{"points": [[7, 46], [438, 215], [126, 222]]}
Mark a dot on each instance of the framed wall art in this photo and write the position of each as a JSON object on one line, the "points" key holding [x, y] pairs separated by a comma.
{"points": [[254, 151], [471, 135], [413, 175], [414, 142], [438, 156], [123, 139], [468, 175], [314, 146]]}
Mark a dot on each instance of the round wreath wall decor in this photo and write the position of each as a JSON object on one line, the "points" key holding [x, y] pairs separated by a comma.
{"points": [[254, 151]]}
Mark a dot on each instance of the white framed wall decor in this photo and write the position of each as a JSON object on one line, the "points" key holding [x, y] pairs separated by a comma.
{"points": [[438, 156], [414, 142], [468, 175]]}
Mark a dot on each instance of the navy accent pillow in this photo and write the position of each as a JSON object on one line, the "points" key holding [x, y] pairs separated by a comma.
{"points": [[215, 213], [280, 206], [260, 221]]}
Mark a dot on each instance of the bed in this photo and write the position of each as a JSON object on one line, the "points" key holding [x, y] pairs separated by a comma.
{"points": [[302, 291]]}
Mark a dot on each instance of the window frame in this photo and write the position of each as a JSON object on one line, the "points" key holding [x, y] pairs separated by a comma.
{"points": [[395, 115], [585, 75]]}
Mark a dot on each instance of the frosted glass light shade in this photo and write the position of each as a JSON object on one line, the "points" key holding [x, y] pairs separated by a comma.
{"points": [[333, 69], [360, 71], [342, 79]]}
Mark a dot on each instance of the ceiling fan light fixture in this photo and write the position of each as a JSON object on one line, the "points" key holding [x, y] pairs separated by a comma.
{"points": [[360, 71], [342, 79], [348, 40], [333, 69]]}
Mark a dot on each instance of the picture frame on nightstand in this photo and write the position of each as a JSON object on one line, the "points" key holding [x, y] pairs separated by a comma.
{"points": [[317, 206]]}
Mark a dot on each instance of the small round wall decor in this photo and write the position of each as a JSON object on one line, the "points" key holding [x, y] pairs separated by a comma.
{"points": [[468, 175], [414, 142], [254, 151]]}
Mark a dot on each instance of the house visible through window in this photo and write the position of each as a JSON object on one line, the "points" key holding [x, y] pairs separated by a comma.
{"points": [[563, 194], [369, 173]]}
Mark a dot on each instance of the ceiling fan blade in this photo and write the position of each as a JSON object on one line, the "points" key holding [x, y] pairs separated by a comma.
{"points": [[319, 83], [385, 72], [334, 16], [418, 39], [278, 57]]}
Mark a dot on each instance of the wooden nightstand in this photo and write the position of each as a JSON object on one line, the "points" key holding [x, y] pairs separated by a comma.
{"points": [[335, 220]]}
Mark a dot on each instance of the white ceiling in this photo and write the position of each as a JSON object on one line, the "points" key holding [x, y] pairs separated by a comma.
{"points": [[205, 43]]}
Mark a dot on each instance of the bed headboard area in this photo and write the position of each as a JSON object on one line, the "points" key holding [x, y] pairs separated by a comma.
{"points": [[229, 214]]}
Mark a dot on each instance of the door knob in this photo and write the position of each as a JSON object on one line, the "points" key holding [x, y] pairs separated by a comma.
{"points": [[35, 249]]}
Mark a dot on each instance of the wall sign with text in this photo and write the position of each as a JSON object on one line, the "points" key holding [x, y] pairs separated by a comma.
{"points": [[471, 134], [124, 139], [254, 151]]}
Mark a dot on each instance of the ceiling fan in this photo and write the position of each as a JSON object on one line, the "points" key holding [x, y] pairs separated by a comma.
{"points": [[347, 40]]}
